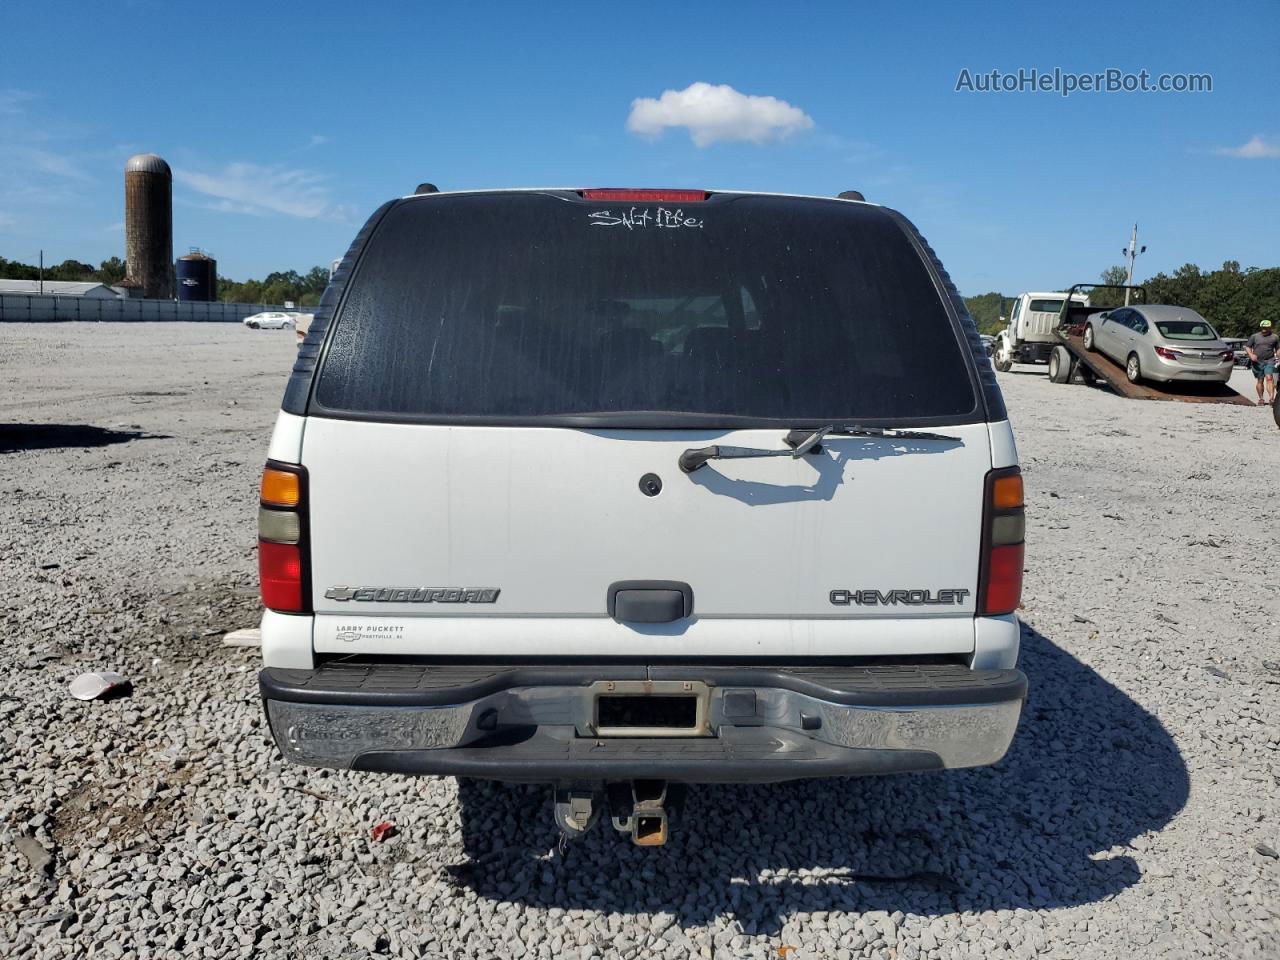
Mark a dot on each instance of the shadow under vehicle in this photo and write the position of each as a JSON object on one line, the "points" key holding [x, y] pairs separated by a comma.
{"points": [[1089, 771]]}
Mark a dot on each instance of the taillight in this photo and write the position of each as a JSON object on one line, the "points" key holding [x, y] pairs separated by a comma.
{"points": [[647, 196], [1003, 530], [1167, 353], [282, 548], [1229, 355]]}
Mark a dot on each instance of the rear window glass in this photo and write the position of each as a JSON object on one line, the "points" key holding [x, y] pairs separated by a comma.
{"points": [[531, 307], [1186, 330], [1046, 306]]}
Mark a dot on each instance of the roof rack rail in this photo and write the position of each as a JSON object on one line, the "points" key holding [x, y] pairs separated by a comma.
{"points": [[850, 195], [426, 188]]}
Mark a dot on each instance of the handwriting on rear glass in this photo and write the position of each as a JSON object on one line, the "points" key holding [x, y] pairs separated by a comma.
{"points": [[637, 219]]}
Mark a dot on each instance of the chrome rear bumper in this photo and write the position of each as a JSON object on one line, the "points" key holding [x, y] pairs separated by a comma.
{"points": [[541, 723]]}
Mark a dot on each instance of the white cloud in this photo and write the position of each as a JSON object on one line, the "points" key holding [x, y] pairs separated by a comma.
{"points": [[57, 164], [11, 101], [711, 113], [1255, 149], [316, 140], [256, 189]]}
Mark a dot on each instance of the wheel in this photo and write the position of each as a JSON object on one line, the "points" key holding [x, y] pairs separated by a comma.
{"points": [[1061, 365], [1002, 359], [1132, 369], [254, 325], [1088, 338], [1275, 410]]}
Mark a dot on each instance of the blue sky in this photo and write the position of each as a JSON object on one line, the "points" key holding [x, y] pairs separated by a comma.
{"points": [[286, 125]]}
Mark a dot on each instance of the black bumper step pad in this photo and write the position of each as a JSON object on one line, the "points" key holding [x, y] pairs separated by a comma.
{"points": [[415, 684]]}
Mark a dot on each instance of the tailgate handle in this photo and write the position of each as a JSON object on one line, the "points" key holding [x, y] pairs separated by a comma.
{"points": [[650, 601]]}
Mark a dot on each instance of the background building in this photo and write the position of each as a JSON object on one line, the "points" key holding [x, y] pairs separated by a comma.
{"points": [[58, 288]]}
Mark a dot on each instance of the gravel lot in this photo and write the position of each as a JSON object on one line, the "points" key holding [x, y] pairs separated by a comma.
{"points": [[1137, 815]]}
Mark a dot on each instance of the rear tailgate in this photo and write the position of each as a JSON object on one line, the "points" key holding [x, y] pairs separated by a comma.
{"points": [[550, 517]]}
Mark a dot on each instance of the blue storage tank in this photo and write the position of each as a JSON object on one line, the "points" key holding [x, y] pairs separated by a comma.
{"points": [[197, 277]]}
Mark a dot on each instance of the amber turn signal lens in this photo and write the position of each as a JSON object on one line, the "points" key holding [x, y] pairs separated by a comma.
{"points": [[1006, 492], [280, 488]]}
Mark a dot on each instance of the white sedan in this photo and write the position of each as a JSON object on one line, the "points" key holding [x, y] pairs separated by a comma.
{"points": [[269, 321]]}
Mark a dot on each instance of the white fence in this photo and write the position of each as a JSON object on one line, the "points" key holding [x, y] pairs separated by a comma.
{"points": [[29, 308]]}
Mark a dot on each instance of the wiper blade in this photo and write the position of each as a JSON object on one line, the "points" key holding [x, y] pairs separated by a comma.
{"points": [[803, 435], [800, 441]]}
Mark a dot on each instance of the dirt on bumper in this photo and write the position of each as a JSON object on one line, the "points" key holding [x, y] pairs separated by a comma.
{"points": [[542, 723]]}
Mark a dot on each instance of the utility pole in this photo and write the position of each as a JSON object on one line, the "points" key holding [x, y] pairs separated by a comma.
{"points": [[42, 273], [1131, 252]]}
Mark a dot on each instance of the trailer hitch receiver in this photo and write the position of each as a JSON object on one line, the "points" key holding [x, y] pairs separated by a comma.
{"points": [[641, 808]]}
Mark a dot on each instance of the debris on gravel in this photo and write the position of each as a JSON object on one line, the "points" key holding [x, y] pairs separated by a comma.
{"points": [[249, 637], [98, 684], [166, 825]]}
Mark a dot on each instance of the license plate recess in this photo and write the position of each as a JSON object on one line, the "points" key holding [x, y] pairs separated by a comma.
{"points": [[648, 708]]}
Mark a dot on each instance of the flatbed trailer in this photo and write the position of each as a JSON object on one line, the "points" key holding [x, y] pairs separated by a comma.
{"points": [[1070, 360], [1093, 366]]}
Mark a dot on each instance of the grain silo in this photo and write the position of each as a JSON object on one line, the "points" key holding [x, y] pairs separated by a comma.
{"points": [[197, 276], [148, 224]]}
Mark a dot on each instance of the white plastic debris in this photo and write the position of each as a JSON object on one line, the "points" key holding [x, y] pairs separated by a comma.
{"points": [[251, 637], [94, 686]]}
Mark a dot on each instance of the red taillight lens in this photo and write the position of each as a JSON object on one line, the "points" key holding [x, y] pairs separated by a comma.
{"points": [[647, 196], [1228, 355], [280, 574], [1004, 580], [1003, 524], [1167, 353]]}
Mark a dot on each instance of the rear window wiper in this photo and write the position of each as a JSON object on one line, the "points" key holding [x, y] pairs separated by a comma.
{"points": [[799, 442], [804, 434]]}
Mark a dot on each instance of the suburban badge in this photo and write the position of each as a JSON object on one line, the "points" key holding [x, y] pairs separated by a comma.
{"points": [[414, 594]]}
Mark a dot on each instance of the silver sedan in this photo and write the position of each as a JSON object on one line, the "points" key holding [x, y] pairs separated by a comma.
{"points": [[1160, 342]]}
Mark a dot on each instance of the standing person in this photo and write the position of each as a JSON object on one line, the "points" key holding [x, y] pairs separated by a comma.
{"points": [[1262, 359]]}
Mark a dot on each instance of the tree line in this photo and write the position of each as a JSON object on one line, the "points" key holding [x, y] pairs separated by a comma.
{"points": [[303, 289], [69, 271], [1233, 300]]}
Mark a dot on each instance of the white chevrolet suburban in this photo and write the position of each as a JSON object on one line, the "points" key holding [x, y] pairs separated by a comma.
{"points": [[616, 489]]}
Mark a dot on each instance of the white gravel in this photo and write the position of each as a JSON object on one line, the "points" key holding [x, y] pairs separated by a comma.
{"points": [[1125, 823]]}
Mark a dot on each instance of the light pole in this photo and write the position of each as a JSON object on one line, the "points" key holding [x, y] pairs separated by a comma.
{"points": [[1131, 252]]}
